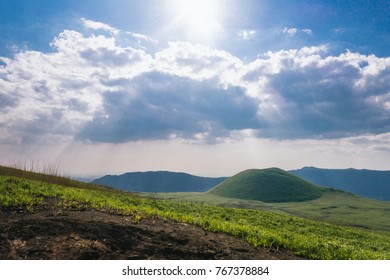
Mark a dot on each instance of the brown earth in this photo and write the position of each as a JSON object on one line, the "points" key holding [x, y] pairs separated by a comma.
{"points": [[69, 234]]}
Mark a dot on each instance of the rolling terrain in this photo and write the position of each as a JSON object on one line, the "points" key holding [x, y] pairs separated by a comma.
{"points": [[367, 183], [279, 191], [52, 217], [72, 220]]}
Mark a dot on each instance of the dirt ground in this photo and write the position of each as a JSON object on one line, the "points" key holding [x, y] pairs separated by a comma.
{"points": [[71, 234]]}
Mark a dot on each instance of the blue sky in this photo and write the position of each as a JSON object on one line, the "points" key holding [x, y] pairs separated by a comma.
{"points": [[359, 25], [207, 87]]}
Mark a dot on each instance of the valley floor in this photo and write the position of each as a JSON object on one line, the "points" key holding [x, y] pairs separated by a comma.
{"points": [[58, 233]]}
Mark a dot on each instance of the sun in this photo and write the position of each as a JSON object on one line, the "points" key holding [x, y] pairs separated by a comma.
{"points": [[199, 18], [196, 11]]}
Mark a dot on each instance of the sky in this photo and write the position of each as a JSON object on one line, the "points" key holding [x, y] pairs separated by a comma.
{"points": [[199, 86]]}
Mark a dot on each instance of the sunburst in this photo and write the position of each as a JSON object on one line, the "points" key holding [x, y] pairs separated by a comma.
{"points": [[200, 19]]}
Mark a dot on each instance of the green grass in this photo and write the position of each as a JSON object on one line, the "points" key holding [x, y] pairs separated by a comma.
{"points": [[335, 207], [307, 238], [268, 185]]}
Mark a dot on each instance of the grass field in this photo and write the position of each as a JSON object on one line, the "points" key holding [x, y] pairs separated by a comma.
{"points": [[334, 207], [307, 238]]}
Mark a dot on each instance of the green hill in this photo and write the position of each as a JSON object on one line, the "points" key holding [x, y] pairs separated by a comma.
{"points": [[268, 185]]}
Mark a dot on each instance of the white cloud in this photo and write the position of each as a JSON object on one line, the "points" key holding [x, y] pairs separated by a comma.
{"points": [[141, 37], [199, 62], [96, 25], [292, 31], [56, 93], [247, 34], [92, 87]]}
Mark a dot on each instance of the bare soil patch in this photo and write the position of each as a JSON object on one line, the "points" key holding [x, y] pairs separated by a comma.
{"points": [[71, 234]]}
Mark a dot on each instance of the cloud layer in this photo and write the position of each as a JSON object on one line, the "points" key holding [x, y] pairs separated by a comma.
{"points": [[94, 87]]}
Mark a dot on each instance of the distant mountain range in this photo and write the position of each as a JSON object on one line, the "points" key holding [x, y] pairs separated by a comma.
{"points": [[158, 181], [369, 183]]}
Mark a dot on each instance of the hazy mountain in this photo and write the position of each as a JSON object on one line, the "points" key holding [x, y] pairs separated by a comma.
{"points": [[369, 183], [159, 181]]}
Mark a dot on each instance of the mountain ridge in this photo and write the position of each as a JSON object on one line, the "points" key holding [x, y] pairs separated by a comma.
{"points": [[374, 184], [158, 181]]}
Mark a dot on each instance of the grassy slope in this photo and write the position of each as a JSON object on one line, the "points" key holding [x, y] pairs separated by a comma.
{"points": [[261, 228], [48, 178], [268, 185]]}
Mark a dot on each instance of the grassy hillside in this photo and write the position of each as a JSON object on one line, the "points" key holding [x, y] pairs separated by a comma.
{"points": [[309, 239], [267, 185], [51, 177]]}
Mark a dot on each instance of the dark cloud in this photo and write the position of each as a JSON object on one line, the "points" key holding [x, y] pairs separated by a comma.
{"points": [[330, 100], [157, 106], [7, 101]]}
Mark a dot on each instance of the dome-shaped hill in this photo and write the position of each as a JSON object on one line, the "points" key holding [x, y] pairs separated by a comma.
{"points": [[268, 185]]}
